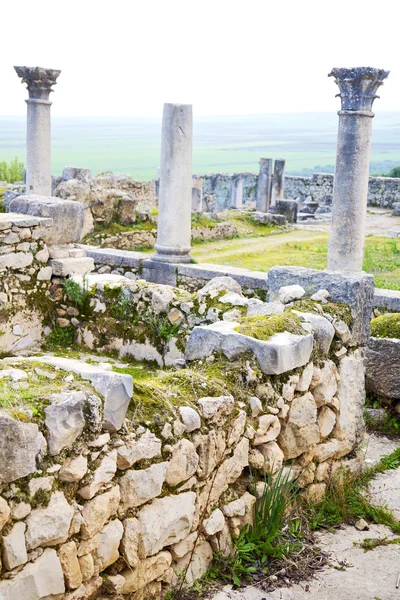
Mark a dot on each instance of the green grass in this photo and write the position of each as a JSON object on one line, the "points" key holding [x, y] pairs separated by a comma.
{"points": [[382, 255]]}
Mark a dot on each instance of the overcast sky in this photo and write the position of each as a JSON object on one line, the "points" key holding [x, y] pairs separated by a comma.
{"points": [[127, 57]]}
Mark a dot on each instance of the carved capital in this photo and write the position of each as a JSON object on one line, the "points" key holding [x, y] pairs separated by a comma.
{"points": [[39, 81], [358, 86]]}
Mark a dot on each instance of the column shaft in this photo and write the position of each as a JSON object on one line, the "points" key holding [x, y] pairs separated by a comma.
{"points": [[264, 182], [278, 181], [38, 148], [175, 194], [350, 191]]}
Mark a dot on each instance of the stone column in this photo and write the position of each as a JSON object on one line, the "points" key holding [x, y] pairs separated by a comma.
{"points": [[175, 195], [236, 200], [278, 181], [38, 136], [358, 88], [264, 184]]}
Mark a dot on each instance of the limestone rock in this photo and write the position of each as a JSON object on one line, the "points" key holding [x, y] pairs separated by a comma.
{"points": [[5, 512], [268, 430], [166, 521], [102, 475], [324, 331], [14, 549], [183, 464], [267, 457], [256, 308], [20, 444], [196, 564], [70, 565], [289, 293], [41, 580], [148, 446], [256, 406], [130, 541], [190, 418], [383, 367], [97, 511], [216, 409], [50, 525], [326, 450], [314, 493], [18, 511], [214, 523], [234, 298], [351, 395], [184, 546], [138, 487], [301, 429], [326, 421], [74, 469], [211, 449], [86, 565], [146, 571], [216, 285], [327, 386], [237, 428], [305, 380], [65, 420], [281, 353], [37, 484], [110, 537]]}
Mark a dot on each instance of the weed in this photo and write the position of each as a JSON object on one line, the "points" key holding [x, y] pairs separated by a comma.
{"points": [[12, 171], [78, 293], [60, 337], [372, 543]]}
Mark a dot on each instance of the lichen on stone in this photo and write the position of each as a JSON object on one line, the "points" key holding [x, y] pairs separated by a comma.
{"points": [[263, 328], [386, 326]]}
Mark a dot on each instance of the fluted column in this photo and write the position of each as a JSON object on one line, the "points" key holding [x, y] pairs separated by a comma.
{"points": [[39, 82], [358, 87], [264, 182], [278, 181], [175, 193]]}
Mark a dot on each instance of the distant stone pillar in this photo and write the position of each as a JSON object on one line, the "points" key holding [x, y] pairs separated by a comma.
{"points": [[236, 200], [39, 82], [264, 182], [278, 181], [175, 194], [358, 87]]}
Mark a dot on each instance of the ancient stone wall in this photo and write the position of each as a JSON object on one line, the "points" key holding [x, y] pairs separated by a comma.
{"points": [[129, 476], [24, 280]]}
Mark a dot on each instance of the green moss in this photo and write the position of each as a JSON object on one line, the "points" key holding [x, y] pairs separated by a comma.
{"points": [[338, 310], [386, 326], [60, 337], [263, 328]]}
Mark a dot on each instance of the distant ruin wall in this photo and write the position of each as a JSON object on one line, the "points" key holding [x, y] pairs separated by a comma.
{"points": [[222, 191]]}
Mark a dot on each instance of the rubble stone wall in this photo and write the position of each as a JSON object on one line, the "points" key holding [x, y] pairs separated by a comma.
{"points": [[122, 478], [24, 280]]}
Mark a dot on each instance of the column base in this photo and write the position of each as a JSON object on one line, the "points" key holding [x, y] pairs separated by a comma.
{"points": [[170, 254]]}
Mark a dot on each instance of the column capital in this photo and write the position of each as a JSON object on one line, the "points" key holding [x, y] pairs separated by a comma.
{"points": [[358, 86], [39, 81]]}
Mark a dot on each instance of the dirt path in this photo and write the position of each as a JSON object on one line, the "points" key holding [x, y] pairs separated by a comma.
{"points": [[351, 574]]}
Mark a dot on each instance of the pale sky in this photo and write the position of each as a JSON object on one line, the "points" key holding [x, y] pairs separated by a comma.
{"points": [[128, 57]]}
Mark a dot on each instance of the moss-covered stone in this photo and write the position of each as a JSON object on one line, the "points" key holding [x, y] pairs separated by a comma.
{"points": [[386, 326], [263, 328], [337, 310]]}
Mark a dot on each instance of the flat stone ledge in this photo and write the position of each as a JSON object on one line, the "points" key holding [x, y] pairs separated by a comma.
{"points": [[389, 299], [8, 220], [245, 277], [353, 288], [281, 353], [64, 267], [114, 258]]}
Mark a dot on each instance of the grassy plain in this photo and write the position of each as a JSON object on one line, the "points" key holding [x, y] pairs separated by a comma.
{"points": [[221, 144]]}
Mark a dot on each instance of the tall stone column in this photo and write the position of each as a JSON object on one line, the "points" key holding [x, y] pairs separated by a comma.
{"points": [[264, 184], [39, 82], [278, 181], [175, 195], [358, 87]]}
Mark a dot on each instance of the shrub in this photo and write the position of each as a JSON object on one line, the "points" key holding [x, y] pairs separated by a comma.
{"points": [[12, 171]]}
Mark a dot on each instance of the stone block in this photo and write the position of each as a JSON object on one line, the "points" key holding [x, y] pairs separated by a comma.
{"points": [[40, 580], [389, 299], [69, 267], [20, 444], [67, 215], [64, 420], [383, 367], [282, 352], [49, 526], [352, 288]]}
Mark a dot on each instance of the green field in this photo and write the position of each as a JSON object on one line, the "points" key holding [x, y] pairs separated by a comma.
{"points": [[221, 144]]}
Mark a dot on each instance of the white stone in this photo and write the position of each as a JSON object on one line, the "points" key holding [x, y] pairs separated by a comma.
{"points": [[183, 463], [166, 521], [20, 444], [146, 572], [195, 565], [44, 484], [45, 274], [305, 379], [215, 409], [50, 525], [256, 406], [130, 541], [65, 420], [234, 298], [214, 523], [70, 565], [107, 550], [268, 430], [138, 487], [326, 421], [320, 296], [190, 418], [216, 285], [74, 469], [14, 549], [102, 475], [301, 429], [5, 512], [41, 580], [267, 458], [97, 511], [327, 387], [288, 293], [148, 446]]}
